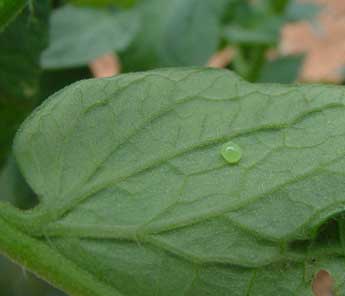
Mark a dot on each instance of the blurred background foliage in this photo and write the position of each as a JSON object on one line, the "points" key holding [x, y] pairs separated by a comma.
{"points": [[51, 44]]}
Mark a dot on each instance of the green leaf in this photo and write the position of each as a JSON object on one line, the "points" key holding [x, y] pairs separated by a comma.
{"points": [[175, 33], [79, 35], [263, 32], [121, 3], [302, 11], [9, 9], [277, 6], [192, 33], [136, 198], [20, 47], [54, 80], [14, 188], [282, 70], [15, 281]]}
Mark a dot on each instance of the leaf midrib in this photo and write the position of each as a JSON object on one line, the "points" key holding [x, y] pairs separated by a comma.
{"points": [[133, 231]]}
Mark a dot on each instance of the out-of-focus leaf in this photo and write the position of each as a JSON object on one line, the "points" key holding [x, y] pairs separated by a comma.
{"points": [[276, 7], [20, 47], [264, 32], [121, 3], [193, 32], [53, 81], [79, 35], [9, 9], [302, 11], [16, 281], [237, 12], [282, 70], [175, 33], [279, 6], [13, 187]]}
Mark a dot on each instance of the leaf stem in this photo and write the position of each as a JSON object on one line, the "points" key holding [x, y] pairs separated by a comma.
{"points": [[249, 61], [257, 61], [36, 255]]}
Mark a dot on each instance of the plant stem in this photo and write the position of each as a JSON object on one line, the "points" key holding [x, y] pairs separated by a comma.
{"points": [[36, 255], [9, 10], [257, 61], [249, 61]]}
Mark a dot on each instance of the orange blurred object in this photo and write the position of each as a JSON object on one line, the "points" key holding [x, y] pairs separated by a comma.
{"points": [[324, 44], [105, 66], [222, 58]]}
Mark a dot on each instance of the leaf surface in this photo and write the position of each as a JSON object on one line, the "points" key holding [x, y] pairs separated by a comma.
{"points": [[136, 197]]}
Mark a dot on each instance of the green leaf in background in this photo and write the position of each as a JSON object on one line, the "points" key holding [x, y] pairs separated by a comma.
{"points": [[264, 32], [193, 32], [21, 43], [79, 35], [302, 11], [20, 47], [175, 33], [54, 80], [15, 281], [120, 3], [14, 188], [252, 27], [9, 9], [273, 7], [137, 200], [282, 70], [254, 23]]}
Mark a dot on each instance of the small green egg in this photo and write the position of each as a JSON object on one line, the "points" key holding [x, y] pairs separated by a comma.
{"points": [[231, 152]]}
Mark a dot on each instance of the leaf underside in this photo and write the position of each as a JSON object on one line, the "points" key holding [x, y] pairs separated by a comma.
{"points": [[133, 189]]}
